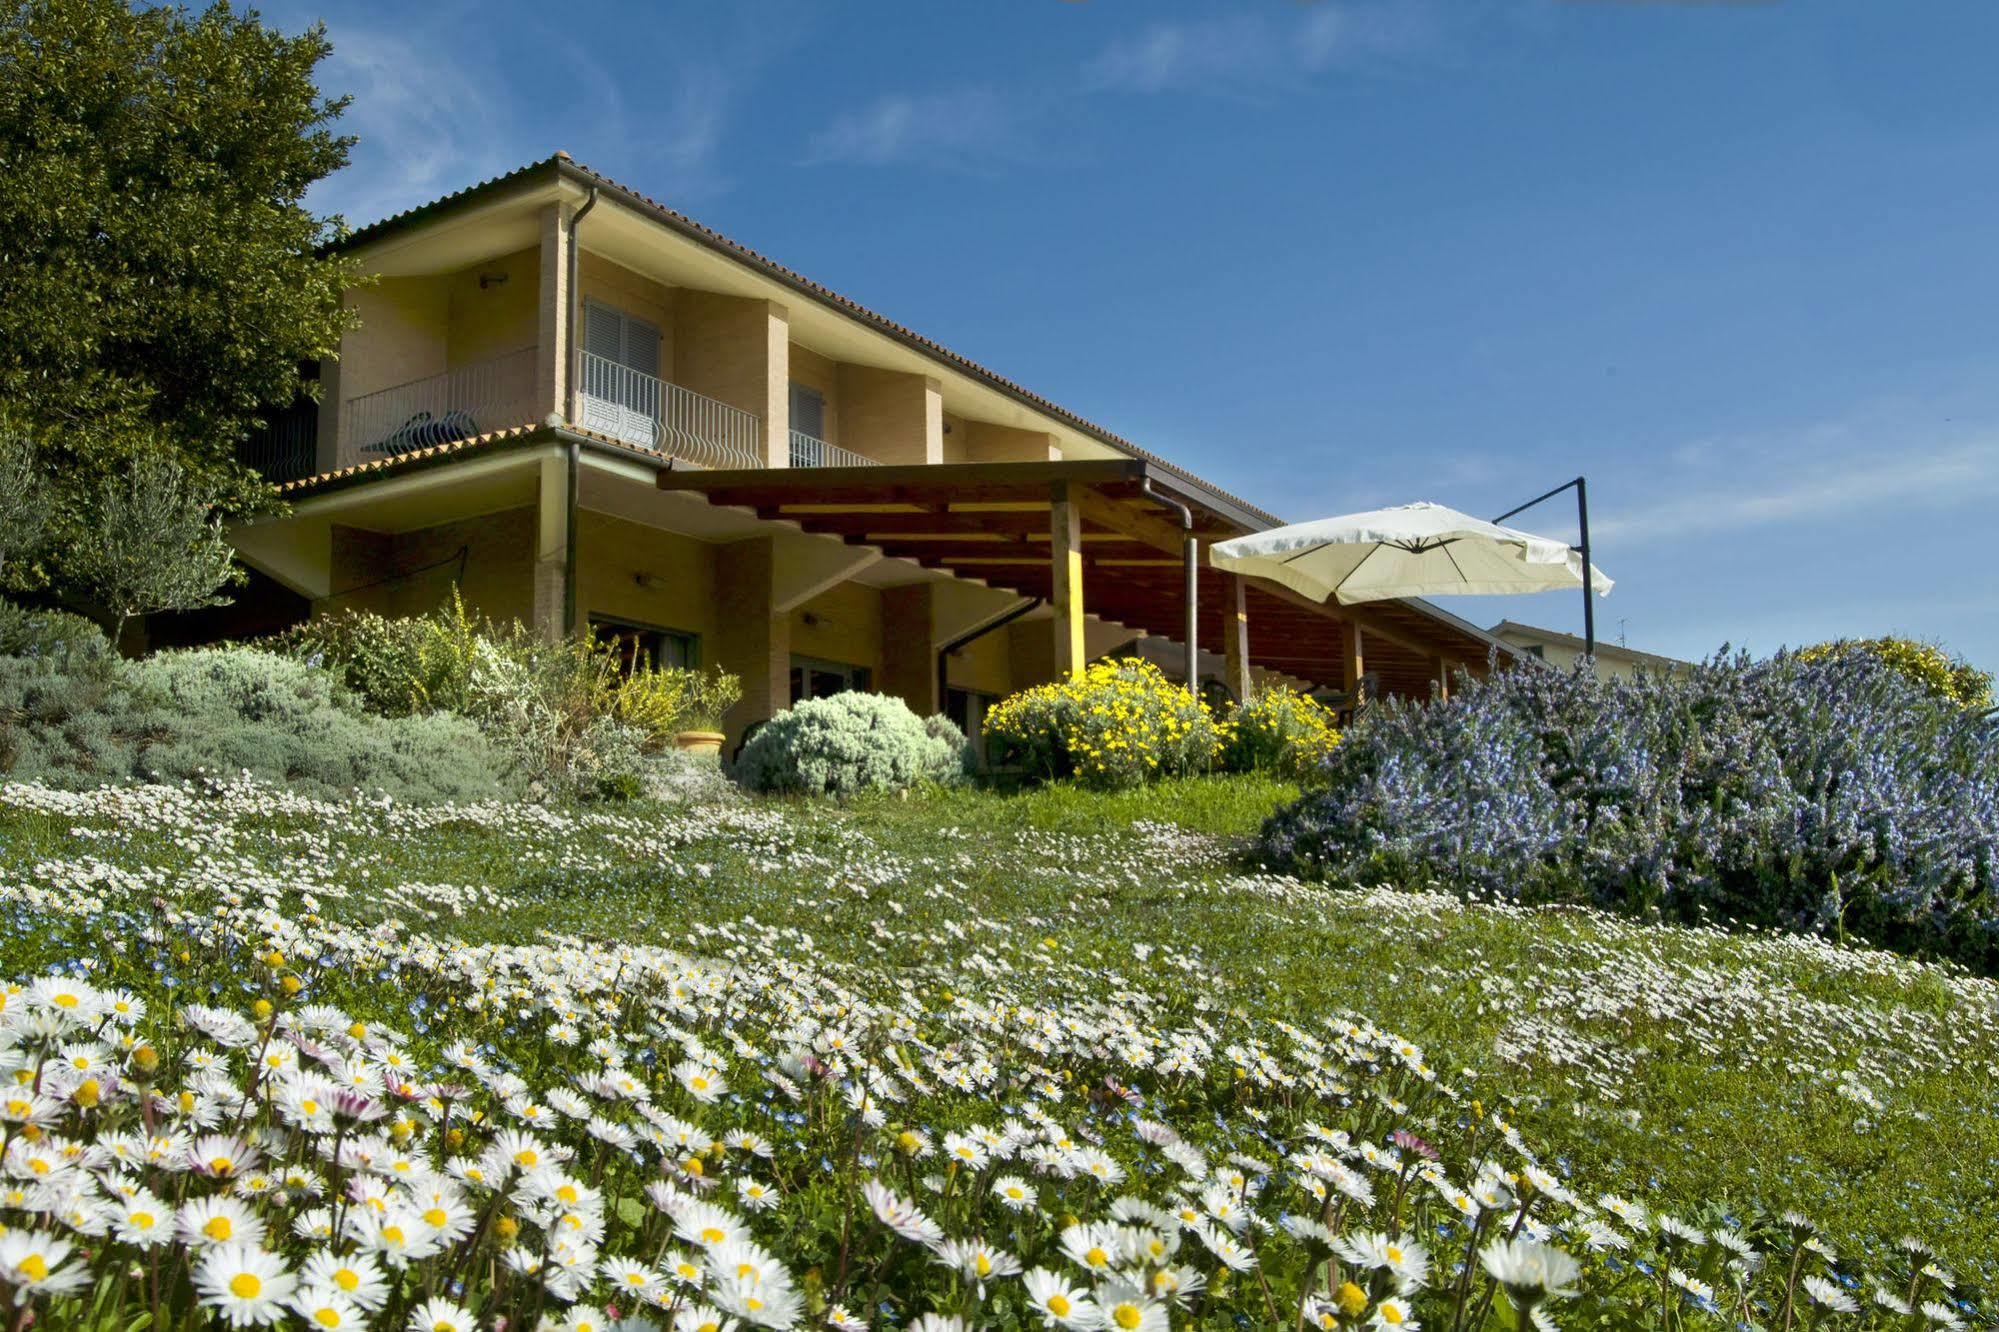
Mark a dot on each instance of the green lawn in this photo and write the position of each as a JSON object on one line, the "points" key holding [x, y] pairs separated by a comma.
{"points": [[1708, 1072]]}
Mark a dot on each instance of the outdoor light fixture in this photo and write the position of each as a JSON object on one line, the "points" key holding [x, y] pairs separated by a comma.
{"points": [[1582, 519]]}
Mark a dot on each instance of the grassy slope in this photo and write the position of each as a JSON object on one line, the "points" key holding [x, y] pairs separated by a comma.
{"points": [[1686, 1066]]}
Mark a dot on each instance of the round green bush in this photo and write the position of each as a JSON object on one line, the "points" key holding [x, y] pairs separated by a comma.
{"points": [[850, 742], [50, 635]]}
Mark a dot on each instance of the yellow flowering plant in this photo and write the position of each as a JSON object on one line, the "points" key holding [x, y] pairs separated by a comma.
{"points": [[1121, 724], [1925, 664], [1280, 731]]}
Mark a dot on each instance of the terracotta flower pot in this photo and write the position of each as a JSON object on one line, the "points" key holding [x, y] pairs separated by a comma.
{"points": [[699, 742]]}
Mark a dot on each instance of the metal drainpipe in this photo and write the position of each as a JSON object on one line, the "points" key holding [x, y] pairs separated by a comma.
{"points": [[972, 636], [1192, 551], [574, 360]]}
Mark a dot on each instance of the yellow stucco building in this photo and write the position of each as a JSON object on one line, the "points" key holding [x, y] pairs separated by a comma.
{"points": [[595, 415]]}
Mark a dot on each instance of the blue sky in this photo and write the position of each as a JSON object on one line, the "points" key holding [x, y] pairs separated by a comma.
{"points": [[1738, 262]]}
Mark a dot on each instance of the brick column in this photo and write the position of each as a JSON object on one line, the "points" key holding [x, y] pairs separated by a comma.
{"points": [[891, 416], [753, 640], [551, 384], [551, 546], [908, 661], [737, 350]]}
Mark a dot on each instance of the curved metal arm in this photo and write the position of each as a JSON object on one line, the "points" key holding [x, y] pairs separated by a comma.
{"points": [[1581, 485]]}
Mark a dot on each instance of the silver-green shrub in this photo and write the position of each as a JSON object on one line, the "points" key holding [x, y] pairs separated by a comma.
{"points": [[848, 743], [220, 712]]}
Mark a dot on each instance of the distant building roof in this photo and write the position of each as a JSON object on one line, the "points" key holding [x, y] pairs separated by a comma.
{"points": [[1512, 631]]}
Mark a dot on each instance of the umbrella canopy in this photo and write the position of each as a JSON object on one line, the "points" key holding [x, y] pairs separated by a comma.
{"points": [[1413, 550]]}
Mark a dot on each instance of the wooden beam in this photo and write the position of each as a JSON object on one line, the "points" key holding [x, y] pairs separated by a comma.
{"points": [[1354, 665], [1065, 566], [1235, 639], [1353, 615], [1443, 676]]}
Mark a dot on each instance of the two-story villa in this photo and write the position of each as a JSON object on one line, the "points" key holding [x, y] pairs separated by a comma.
{"points": [[596, 415]]}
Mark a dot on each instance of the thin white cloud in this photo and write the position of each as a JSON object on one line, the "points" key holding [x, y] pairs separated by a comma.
{"points": [[1170, 56], [422, 127], [945, 128], [1250, 50], [967, 127], [1816, 487]]}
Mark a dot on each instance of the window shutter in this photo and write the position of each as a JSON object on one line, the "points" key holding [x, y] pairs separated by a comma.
{"points": [[641, 346], [603, 332]]}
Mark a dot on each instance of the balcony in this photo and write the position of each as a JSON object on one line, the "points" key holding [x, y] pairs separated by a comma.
{"points": [[652, 413], [471, 400], [811, 451], [499, 394]]}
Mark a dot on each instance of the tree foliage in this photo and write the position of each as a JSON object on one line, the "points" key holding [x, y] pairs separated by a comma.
{"points": [[22, 508], [161, 279], [155, 544]]}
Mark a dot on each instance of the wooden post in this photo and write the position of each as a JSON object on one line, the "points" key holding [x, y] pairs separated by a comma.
{"points": [[1443, 679], [1235, 638], [1354, 667], [1065, 554]]}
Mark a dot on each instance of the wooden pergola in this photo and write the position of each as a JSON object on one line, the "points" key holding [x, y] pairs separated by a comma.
{"points": [[1106, 538]]}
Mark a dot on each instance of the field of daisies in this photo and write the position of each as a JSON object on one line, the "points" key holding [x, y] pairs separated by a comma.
{"points": [[955, 1061]]}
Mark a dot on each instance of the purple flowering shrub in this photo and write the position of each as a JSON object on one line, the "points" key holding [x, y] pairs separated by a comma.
{"points": [[1829, 795]]}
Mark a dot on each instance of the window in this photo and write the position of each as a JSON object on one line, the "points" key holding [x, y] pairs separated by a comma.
{"points": [[618, 392], [813, 678], [808, 427], [646, 645]]}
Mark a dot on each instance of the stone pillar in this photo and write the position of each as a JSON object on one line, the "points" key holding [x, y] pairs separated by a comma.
{"points": [[752, 640], [1235, 638], [1065, 554], [908, 661]]}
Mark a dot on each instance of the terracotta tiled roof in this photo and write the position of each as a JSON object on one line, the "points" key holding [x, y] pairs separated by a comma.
{"points": [[563, 165], [453, 448], [397, 461]]}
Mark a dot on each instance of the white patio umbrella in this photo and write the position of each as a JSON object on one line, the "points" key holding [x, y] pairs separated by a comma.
{"points": [[1412, 550]]}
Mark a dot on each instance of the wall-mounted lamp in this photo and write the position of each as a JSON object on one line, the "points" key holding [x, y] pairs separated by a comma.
{"points": [[650, 582], [492, 280]]}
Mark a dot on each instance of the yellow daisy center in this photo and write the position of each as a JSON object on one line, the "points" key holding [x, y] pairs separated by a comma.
{"points": [[245, 1286]]}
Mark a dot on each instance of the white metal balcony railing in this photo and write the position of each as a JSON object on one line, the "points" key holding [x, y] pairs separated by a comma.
{"points": [[654, 413], [471, 400], [613, 399], [812, 451]]}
